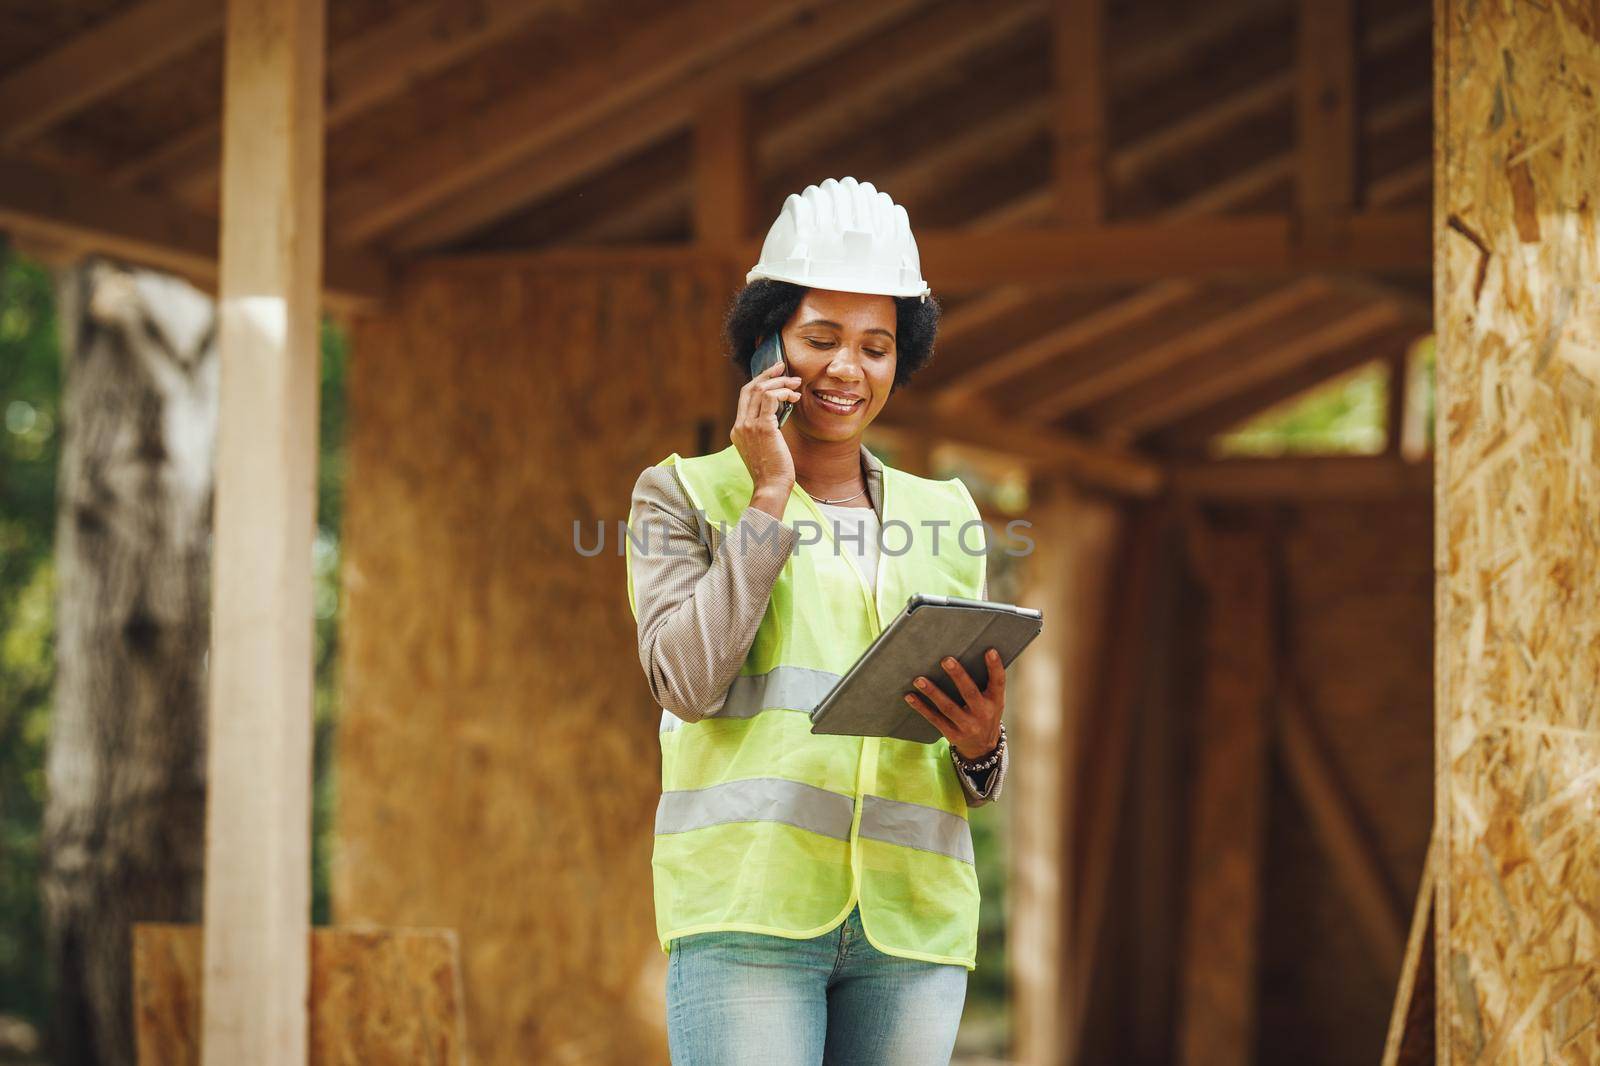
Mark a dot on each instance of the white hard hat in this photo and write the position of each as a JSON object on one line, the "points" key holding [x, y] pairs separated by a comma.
{"points": [[844, 235]]}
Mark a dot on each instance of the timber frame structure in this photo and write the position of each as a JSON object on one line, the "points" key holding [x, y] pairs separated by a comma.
{"points": [[1146, 222]]}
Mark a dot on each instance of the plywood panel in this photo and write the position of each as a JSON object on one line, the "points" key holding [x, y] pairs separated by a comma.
{"points": [[1518, 543], [498, 761], [378, 997]]}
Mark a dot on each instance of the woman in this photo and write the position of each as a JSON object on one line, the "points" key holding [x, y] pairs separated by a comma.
{"points": [[816, 894]]}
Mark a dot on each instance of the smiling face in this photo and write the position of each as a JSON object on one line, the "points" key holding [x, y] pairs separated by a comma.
{"points": [[842, 346]]}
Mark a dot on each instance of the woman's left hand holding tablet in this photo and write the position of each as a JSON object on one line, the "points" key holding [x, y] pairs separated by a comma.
{"points": [[972, 726]]}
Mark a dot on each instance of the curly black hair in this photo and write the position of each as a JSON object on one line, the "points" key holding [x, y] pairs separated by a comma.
{"points": [[765, 305]]}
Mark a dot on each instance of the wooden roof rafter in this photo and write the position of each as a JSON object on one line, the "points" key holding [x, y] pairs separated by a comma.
{"points": [[646, 60], [615, 136], [362, 73]]}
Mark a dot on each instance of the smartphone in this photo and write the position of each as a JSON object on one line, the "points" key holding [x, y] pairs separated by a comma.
{"points": [[768, 352]]}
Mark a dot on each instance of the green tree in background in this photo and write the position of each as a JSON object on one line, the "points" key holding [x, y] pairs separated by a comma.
{"points": [[30, 390]]}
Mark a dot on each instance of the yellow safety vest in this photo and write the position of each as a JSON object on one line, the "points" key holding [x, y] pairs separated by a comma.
{"points": [[766, 827]]}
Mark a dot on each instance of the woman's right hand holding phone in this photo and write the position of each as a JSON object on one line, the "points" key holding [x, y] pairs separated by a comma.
{"points": [[760, 442]]}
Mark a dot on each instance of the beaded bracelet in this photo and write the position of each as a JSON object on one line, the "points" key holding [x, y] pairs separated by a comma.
{"points": [[984, 762]]}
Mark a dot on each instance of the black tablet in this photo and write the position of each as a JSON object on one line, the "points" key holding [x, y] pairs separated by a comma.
{"points": [[869, 701]]}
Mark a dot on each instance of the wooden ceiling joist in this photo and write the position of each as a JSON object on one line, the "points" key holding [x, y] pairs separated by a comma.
{"points": [[1302, 478], [79, 214], [1237, 245], [1326, 109], [1195, 429], [801, 119], [1201, 382], [362, 72], [98, 62], [1079, 111], [550, 167], [1124, 369], [648, 59]]}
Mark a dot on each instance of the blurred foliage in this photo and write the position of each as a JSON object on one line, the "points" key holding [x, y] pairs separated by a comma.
{"points": [[30, 388], [30, 394], [1343, 416]]}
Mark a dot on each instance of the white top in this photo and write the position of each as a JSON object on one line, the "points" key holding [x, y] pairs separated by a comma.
{"points": [[855, 531]]}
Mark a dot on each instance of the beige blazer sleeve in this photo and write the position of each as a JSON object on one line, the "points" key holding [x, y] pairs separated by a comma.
{"points": [[699, 596]]}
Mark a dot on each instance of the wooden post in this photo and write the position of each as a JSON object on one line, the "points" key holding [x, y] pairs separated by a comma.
{"points": [[1326, 106], [1069, 579], [724, 197], [1217, 981], [258, 823], [1080, 119]]}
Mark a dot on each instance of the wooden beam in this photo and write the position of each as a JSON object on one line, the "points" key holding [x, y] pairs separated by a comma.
{"points": [[1411, 1036], [1256, 246], [646, 60], [1203, 382], [1079, 62], [364, 71], [799, 117], [1326, 109], [1217, 982], [91, 66], [1067, 577], [1323, 477], [258, 766], [1113, 470], [84, 215], [786, 50], [1111, 375], [1229, 411], [1333, 814]]}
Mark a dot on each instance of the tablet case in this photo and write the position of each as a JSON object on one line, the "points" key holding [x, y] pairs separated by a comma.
{"points": [[869, 701]]}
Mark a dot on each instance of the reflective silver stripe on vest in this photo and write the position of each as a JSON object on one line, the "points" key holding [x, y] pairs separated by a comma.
{"points": [[914, 825], [756, 799], [795, 688]]}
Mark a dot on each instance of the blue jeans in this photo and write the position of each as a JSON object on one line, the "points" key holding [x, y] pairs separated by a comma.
{"points": [[736, 999]]}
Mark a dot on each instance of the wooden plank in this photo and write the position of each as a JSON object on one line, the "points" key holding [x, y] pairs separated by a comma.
{"points": [[118, 50], [1332, 812], [1141, 251], [783, 52], [1068, 578], [1326, 109], [1300, 478], [1410, 1039], [646, 60], [1080, 75], [80, 215], [379, 997], [258, 765], [1217, 980]]}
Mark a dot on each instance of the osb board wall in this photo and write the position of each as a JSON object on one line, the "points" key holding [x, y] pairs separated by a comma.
{"points": [[1518, 257], [1357, 582], [378, 997], [498, 763]]}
